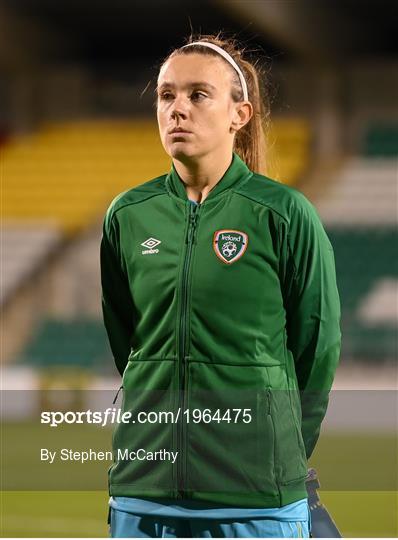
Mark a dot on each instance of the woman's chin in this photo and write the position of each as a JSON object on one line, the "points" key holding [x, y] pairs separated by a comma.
{"points": [[178, 151]]}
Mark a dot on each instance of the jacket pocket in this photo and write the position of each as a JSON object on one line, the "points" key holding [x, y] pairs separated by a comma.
{"points": [[141, 444], [290, 452], [232, 449]]}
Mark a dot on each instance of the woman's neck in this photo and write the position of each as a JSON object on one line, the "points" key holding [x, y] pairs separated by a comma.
{"points": [[201, 176]]}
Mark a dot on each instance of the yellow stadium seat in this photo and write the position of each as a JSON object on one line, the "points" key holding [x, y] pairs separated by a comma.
{"points": [[68, 173]]}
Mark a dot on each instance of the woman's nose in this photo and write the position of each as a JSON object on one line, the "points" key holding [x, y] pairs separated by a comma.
{"points": [[179, 109]]}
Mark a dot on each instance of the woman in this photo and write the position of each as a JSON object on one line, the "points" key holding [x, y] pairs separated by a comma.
{"points": [[221, 307]]}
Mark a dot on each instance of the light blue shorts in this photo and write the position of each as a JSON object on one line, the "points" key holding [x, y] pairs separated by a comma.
{"points": [[127, 524]]}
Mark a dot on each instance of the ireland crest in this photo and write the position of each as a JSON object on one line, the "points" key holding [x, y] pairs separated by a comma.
{"points": [[229, 245]]}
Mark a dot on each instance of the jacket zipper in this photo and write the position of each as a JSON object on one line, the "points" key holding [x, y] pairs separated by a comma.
{"points": [[183, 338], [269, 413], [268, 394]]}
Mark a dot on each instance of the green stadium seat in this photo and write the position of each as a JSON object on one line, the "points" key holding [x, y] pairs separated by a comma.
{"points": [[381, 139], [59, 343], [364, 257]]}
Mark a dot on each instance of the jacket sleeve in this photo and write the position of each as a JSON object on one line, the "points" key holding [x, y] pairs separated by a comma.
{"points": [[312, 314], [117, 305]]}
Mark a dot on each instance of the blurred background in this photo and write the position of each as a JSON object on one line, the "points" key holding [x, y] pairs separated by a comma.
{"points": [[78, 126]]}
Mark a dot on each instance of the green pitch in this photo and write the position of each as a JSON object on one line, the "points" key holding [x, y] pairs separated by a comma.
{"points": [[54, 513]]}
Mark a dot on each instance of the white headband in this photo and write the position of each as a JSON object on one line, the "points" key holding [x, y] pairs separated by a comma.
{"points": [[229, 59]]}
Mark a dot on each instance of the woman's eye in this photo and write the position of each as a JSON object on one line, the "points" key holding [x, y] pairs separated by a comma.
{"points": [[197, 96], [166, 96]]}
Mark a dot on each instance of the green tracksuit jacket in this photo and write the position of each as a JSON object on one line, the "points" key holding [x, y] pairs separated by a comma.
{"points": [[224, 306]]}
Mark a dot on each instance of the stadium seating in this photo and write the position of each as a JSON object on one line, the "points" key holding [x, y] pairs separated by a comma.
{"points": [[359, 211], [381, 139], [25, 247], [364, 193], [288, 154], [78, 343], [69, 173], [367, 275]]}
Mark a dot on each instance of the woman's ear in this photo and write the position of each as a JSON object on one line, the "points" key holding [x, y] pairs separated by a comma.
{"points": [[242, 114]]}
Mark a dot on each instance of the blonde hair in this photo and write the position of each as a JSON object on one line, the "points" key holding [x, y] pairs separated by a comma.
{"points": [[249, 141]]}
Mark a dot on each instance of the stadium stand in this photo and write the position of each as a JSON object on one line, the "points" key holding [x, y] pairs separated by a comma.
{"points": [[75, 342], [359, 211], [367, 271], [288, 145], [381, 139], [362, 194], [26, 247], [69, 172]]}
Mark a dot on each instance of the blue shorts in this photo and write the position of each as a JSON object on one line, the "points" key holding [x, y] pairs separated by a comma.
{"points": [[125, 524]]}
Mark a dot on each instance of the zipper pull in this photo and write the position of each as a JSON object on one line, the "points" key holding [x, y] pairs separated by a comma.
{"points": [[117, 394], [191, 223], [192, 232], [194, 222], [268, 401]]}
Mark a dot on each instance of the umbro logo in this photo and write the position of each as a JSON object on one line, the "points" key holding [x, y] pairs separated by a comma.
{"points": [[150, 244]]}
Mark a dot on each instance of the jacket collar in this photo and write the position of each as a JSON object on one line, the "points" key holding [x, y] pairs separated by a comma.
{"points": [[236, 172]]}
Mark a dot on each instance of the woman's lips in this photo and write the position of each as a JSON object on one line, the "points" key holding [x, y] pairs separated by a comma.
{"points": [[177, 134], [177, 129]]}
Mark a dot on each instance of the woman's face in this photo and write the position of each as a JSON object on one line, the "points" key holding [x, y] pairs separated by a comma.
{"points": [[194, 95]]}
